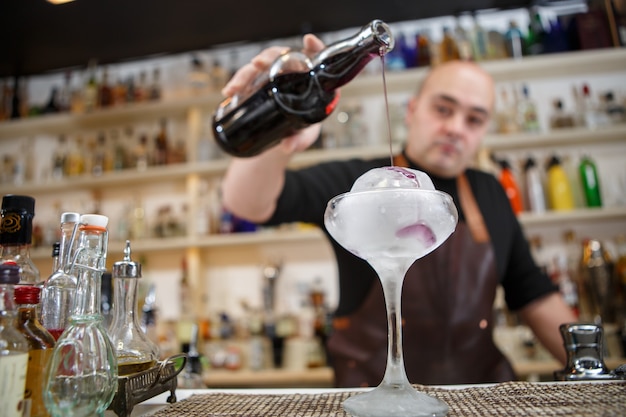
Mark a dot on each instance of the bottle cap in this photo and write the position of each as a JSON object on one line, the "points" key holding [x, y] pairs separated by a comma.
{"points": [[126, 268], [26, 294], [9, 273], [94, 220], [19, 203], [17, 219], [70, 217]]}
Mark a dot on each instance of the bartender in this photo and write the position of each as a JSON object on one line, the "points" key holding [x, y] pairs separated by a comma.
{"points": [[448, 295]]}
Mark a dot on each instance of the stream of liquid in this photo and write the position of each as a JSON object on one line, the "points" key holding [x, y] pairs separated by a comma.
{"points": [[382, 61]]}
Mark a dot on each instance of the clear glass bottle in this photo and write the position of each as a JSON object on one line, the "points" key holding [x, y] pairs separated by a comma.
{"points": [[296, 92], [14, 351], [40, 347], [535, 194], [82, 375], [16, 232], [59, 289], [134, 351]]}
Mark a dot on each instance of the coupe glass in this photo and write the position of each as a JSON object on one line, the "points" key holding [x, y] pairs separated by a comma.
{"points": [[390, 228]]}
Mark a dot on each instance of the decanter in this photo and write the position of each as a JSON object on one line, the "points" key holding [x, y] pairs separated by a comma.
{"points": [[134, 351], [82, 374]]}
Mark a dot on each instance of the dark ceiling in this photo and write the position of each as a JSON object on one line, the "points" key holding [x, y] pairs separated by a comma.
{"points": [[38, 37]]}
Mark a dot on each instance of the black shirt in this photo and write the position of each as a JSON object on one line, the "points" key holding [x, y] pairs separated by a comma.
{"points": [[307, 191]]}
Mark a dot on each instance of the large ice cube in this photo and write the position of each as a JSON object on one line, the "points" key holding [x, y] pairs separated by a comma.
{"points": [[392, 177]]}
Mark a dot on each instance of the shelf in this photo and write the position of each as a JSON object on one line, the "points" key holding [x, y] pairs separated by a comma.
{"points": [[275, 236], [129, 177], [559, 137], [576, 215], [203, 242], [542, 66], [532, 67], [124, 114]]}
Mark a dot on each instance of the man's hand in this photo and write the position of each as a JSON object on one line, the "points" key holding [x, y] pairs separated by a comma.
{"points": [[260, 64]]}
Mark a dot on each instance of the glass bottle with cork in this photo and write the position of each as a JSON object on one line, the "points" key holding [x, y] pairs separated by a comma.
{"points": [[296, 92], [16, 230], [59, 289], [14, 352], [82, 375], [40, 347], [134, 351]]}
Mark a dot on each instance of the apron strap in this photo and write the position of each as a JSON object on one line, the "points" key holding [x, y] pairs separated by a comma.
{"points": [[473, 216]]}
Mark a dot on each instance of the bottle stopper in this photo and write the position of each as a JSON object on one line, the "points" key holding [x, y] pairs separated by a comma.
{"points": [[126, 268]]}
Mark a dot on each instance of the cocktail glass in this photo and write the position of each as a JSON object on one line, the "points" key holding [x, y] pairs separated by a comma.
{"points": [[390, 225]]}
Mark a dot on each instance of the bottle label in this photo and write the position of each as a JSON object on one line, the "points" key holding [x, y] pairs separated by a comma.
{"points": [[12, 383]]}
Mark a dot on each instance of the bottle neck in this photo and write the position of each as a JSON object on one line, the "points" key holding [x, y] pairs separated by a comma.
{"points": [[27, 313], [341, 61], [7, 302], [125, 302], [20, 254], [89, 265], [66, 245]]}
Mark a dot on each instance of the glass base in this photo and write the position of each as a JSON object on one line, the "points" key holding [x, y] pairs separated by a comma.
{"points": [[395, 401]]}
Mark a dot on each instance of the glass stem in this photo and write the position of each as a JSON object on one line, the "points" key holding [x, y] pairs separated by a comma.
{"points": [[392, 279]]}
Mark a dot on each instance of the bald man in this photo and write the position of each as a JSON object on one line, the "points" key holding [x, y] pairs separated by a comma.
{"points": [[448, 296]]}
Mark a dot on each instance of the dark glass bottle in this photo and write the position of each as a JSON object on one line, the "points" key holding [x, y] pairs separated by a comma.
{"points": [[16, 231], [296, 92], [40, 347]]}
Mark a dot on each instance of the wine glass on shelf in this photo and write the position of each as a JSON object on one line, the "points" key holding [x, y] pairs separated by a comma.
{"points": [[391, 217]]}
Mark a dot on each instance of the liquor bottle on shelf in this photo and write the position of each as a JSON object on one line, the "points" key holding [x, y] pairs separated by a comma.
{"points": [[155, 87], [423, 45], [105, 91], [14, 352], [90, 88], [535, 193], [303, 92], [560, 118], [514, 40], [479, 40], [84, 344], [590, 182], [65, 94], [463, 42], [59, 290], [16, 236], [527, 112], [161, 144], [134, 351], [560, 194], [509, 183], [40, 347], [448, 48]]}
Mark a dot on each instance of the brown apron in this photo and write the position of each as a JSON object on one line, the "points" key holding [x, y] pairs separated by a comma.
{"points": [[447, 304]]}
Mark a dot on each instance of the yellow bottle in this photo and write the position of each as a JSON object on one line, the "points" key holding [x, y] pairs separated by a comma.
{"points": [[559, 189]]}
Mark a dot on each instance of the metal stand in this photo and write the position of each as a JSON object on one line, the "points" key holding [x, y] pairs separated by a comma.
{"points": [[135, 388]]}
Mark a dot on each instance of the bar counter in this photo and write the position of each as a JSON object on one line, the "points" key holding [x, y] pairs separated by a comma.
{"points": [[323, 377], [580, 399]]}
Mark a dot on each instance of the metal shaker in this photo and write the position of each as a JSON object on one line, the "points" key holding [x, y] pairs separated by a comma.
{"points": [[584, 344], [598, 286]]}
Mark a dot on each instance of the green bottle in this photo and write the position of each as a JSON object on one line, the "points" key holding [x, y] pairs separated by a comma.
{"points": [[589, 181]]}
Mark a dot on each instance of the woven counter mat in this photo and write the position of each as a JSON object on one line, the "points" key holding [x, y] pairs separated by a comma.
{"points": [[505, 399]]}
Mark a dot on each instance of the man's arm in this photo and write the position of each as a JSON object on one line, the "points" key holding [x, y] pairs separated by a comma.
{"points": [[251, 186], [544, 316]]}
